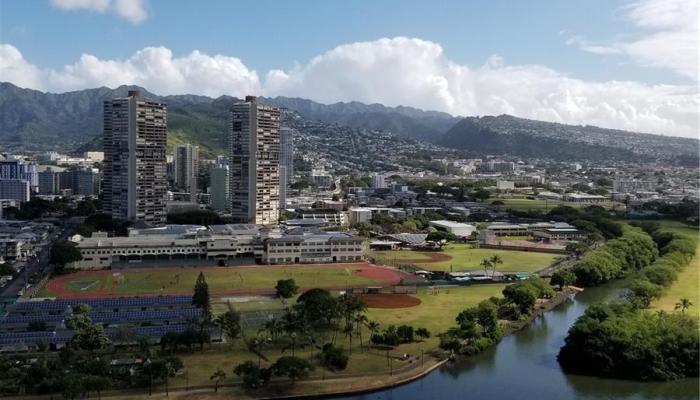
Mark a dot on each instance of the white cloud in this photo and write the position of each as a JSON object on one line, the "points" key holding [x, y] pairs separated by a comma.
{"points": [[152, 67], [669, 37], [133, 11], [415, 72], [14, 68], [398, 71]]}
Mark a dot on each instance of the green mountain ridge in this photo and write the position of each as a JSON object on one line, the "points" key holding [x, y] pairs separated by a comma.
{"points": [[72, 122]]}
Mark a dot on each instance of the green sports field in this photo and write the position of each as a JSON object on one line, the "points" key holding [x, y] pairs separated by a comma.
{"points": [[688, 283], [438, 308], [543, 205], [463, 257], [181, 280]]}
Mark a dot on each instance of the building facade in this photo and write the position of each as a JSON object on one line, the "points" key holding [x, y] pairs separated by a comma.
{"points": [[378, 181], [135, 184], [633, 185], [186, 169], [219, 188], [50, 180], [18, 168], [244, 242], [15, 189], [254, 163], [313, 248]]}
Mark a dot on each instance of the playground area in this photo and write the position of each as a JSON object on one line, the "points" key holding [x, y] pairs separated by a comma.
{"points": [[222, 281]]}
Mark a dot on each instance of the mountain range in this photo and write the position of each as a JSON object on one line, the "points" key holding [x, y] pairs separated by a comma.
{"points": [[34, 120]]}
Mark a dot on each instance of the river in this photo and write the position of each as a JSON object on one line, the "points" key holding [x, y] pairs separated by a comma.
{"points": [[524, 366]]}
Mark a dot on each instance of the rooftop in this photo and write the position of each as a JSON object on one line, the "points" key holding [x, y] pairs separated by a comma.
{"points": [[450, 224]]}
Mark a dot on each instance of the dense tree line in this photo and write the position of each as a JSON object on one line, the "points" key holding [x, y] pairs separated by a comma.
{"points": [[622, 340], [104, 223], [478, 327], [632, 251], [62, 253], [685, 210]]}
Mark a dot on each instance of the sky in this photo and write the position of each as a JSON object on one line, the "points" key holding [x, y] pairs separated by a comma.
{"points": [[629, 64]]}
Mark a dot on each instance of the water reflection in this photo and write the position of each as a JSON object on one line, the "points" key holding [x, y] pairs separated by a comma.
{"points": [[524, 366]]}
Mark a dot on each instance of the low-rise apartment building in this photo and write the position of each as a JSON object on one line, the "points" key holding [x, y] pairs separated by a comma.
{"points": [[327, 247], [241, 242]]}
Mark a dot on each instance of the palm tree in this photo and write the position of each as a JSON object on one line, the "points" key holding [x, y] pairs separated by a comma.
{"points": [[273, 327], [495, 260], [256, 345], [373, 327], [683, 305], [486, 265], [360, 320], [217, 377], [347, 330]]}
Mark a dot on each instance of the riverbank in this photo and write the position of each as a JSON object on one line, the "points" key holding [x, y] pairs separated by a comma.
{"points": [[547, 305], [346, 385]]}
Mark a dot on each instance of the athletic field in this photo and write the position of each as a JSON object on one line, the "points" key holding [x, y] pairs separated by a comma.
{"points": [[462, 257], [257, 279]]}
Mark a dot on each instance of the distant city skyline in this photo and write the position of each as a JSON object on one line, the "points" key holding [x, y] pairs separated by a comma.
{"points": [[628, 65]]}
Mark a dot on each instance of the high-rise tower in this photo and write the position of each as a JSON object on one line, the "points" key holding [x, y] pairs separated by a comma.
{"points": [[186, 169], [254, 162], [135, 184]]}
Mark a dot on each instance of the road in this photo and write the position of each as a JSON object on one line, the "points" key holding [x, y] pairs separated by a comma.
{"points": [[39, 263]]}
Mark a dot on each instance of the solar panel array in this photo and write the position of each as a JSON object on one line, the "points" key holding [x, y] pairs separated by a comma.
{"points": [[109, 318], [53, 337], [126, 302], [129, 312]]}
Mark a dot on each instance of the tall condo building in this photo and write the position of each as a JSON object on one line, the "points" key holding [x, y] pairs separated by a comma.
{"points": [[135, 185], [219, 187], [286, 163], [186, 169], [254, 165]]}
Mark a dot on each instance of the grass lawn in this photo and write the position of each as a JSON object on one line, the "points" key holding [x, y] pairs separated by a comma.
{"points": [[688, 283], [248, 303], [155, 280], [541, 204], [436, 312], [464, 257]]}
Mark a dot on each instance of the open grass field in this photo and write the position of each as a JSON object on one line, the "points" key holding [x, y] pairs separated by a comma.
{"points": [[232, 280], [463, 257], [688, 283], [438, 308], [543, 205], [436, 312]]}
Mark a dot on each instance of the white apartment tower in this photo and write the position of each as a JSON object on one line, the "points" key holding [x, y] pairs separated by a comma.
{"points": [[135, 184], [186, 169], [254, 163]]}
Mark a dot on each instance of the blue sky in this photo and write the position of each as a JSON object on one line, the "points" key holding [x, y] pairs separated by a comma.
{"points": [[619, 64], [276, 34]]}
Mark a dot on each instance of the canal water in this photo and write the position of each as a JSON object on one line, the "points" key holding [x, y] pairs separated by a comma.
{"points": [[524, 366]]}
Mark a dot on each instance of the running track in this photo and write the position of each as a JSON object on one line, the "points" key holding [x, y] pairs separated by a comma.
{"points": [[385, 276]]}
